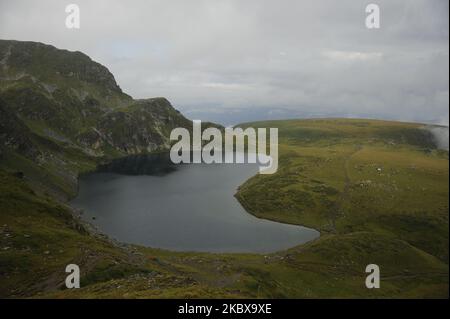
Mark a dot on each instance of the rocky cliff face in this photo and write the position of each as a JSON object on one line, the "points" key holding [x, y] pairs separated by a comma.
{"points": [[60, 112], [143, 126]]}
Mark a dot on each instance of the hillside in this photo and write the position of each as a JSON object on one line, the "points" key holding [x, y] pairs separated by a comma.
{"points": [[409, 243], [345, 176], [376, 190], [63, 112]]}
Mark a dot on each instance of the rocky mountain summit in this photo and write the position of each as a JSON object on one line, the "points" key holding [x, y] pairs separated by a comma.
{"points": [[59, 110]]}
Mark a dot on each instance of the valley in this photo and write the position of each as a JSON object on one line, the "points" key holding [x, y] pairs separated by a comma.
{"points": [[377, 191]]}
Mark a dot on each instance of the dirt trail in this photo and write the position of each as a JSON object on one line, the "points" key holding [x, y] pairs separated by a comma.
{"points": [[338, 208]]}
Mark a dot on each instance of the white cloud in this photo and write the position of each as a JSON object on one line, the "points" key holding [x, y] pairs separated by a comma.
{"points": [[352, 55], [308, 57]]}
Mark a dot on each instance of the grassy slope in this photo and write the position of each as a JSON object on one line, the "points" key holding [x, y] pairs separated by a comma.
{"points": [[360, 179], [398, 220]]}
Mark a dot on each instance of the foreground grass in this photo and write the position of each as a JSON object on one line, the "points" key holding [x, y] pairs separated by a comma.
{"points": [[377, 191]]}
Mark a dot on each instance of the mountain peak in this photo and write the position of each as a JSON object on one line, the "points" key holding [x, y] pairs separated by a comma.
{"points": [[48, 64]]}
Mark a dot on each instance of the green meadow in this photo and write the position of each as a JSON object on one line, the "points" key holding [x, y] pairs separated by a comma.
{"points": [[377, 191]]}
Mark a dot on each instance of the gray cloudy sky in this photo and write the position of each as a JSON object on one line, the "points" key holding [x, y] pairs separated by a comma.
{"points": [[235, 60]]}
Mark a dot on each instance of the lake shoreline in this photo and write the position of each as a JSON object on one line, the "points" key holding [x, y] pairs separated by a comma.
{"points": [[221, 233]]}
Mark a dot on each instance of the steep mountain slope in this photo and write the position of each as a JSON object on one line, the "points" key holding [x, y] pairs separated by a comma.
{"points": [[60, 108]]}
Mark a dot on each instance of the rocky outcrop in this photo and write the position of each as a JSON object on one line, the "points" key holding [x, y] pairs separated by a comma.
{"points": [[14, 135], [144, 126]]}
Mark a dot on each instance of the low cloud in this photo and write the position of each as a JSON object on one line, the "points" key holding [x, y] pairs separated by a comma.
{"points": [[441, 135], [352, 55]]}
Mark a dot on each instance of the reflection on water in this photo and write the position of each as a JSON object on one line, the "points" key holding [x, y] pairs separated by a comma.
{"points": [[144, 164], [182, 207]]}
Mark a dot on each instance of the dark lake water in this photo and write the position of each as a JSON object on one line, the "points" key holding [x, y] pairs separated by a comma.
{"points": [[189, 207]]}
